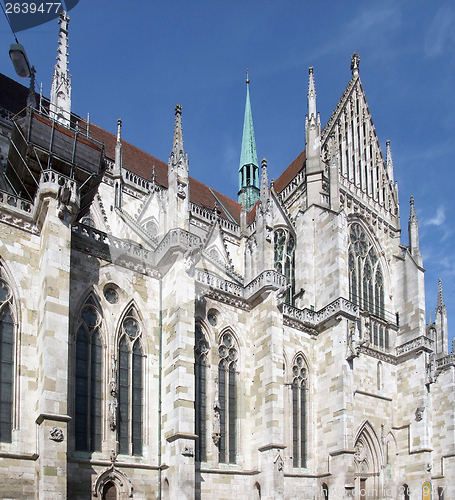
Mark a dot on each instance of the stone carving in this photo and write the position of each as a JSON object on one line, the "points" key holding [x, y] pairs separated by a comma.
{"points": [[113, 414], [431, 369], [279, 463], [188, 451], [354, 347], [419, 413], [113, 456], [280, 294], [113, 403], [56, 434], [216, 434]]}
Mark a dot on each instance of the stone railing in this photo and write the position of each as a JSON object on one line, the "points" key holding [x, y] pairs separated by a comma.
{"points": [[315, 319], [208, 216], [11, 201], [117, 247], [448, 360], [293, 185], [138, 180], [176, 237], [421, 342], [217, 283], [265, 279]]}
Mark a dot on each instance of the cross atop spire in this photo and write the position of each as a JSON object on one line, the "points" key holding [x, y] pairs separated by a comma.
{"points": [[248, 168], [60, 107]]}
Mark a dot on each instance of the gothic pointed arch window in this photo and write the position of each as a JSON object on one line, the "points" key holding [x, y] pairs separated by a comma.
{"points": [[299, 411], [284, 250], [130, 385], [7, 342], [366, 284], [88, 378], [227, 398], [201, 350]]}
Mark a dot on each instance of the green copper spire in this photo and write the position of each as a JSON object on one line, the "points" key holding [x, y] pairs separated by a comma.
{"points": [[248, 169]]}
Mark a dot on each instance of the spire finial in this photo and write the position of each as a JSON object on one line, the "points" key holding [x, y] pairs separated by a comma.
{"points": [[31, 99], [412, 215], [440, 296], [60, 106], [247, 79], [389, 161], [264, 182], [119, 130], [311, 96], [178, 133], [355, 63]]}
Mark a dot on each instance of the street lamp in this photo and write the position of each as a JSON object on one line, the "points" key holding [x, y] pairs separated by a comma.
{"points": [[20, 60]]}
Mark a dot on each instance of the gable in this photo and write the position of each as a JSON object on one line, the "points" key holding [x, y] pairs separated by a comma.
{"points": [[350, 138]]}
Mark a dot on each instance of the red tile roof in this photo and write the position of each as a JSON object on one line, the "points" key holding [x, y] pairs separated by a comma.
{"points": [[13, 97], [286, 177]]}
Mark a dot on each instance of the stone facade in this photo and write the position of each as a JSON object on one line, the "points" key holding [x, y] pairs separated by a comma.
{"points": [[164, 342]]}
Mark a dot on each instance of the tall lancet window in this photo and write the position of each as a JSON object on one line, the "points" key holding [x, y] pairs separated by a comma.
{"points": [[7, 334], [299, 412], [130, 386], [285, 259], [201, 351], [88, 386], [227, 398], [366, 288]]}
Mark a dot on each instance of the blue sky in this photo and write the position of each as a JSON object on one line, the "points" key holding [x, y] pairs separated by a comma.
{"points": [[136, 59]]}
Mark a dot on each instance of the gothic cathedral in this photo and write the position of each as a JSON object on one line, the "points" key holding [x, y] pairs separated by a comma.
{"points": [[161, 340]]}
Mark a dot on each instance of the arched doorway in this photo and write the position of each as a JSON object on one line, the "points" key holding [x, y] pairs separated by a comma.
{"points": [[109, 491], [368, 462]]}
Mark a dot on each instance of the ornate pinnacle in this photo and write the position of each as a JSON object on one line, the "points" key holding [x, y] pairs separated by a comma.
{"points": [[178, 134], [311, 96], [264, 182], [412, 215], [440, 296], [119, 130], [355, 62]]}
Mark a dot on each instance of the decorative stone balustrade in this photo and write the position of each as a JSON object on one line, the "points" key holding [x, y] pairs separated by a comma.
{"points": [[138, 180], [418, 343], [313, 319], [10, 201], [293, 185], [208, 216], [176, 238], [213, 281], [265, 279], [446, 361]]}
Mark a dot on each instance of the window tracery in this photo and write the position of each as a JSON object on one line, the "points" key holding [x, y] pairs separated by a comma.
{"points": [[366, 283], [299, 412], [88, 386], [130, 385], [284, 249], [227, 397]]}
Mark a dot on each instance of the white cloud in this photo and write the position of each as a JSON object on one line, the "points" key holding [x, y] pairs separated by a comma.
{"points": [[440, 37], [438, 219]]}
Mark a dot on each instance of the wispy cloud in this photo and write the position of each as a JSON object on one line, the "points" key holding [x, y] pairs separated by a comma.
{"points": [[440, 37], [438, 219]]}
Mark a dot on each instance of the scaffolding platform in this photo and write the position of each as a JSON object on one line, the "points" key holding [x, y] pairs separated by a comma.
{"points": [[39, 143]]}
